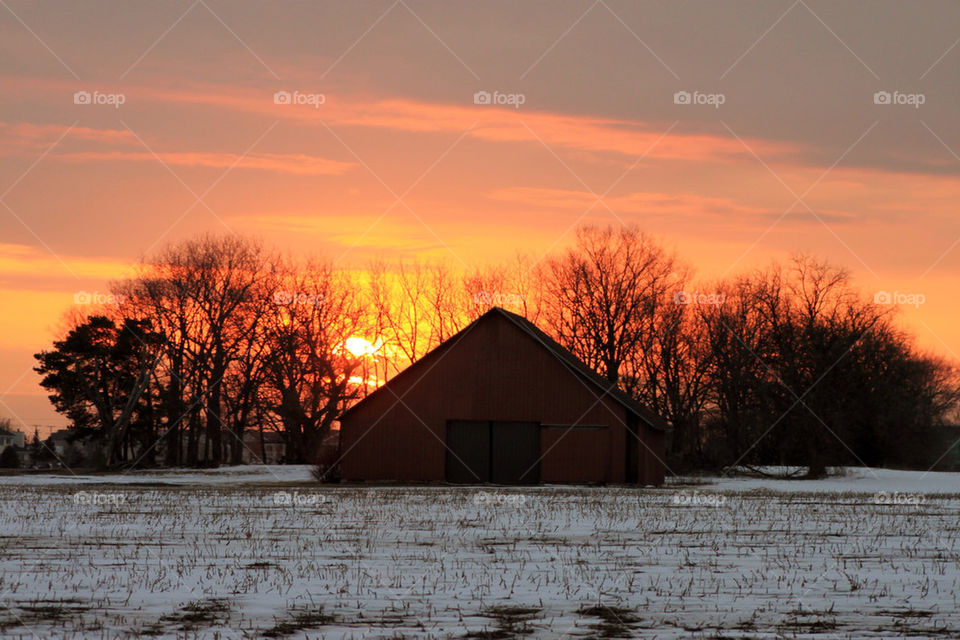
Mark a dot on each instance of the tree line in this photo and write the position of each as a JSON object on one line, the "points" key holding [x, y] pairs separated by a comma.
{"points": [[216, 337]]}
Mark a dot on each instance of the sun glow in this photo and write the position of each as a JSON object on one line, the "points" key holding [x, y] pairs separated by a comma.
{"points": [[361, 346]]}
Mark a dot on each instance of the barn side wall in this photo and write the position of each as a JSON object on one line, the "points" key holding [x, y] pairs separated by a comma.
{"points": [[575, 455], [653, 456]]}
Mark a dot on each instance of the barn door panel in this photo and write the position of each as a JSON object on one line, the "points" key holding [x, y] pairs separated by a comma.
{"points": [[516, 452], [468, 451]]}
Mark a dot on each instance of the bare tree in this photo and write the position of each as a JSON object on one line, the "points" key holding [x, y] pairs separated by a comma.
{"points": [[214, 337], [525, 278], [669, 369], [203, 295], [601, 296], [797, 360], [311, 374], [417, 306], [824, 322], [738, 381]]}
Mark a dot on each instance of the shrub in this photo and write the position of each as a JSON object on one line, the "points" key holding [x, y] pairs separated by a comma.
{"points": [[326, 473], [9, 459]]}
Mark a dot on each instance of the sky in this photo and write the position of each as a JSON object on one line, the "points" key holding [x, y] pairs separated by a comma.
{"points": [[737, 131]]}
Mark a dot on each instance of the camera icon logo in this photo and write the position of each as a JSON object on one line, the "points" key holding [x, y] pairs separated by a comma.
{"points": [[482, 97], [282, 298], [882, 297], [82, 97], [82, 297], [682, 97], [681, 297], [882, 97], [281, 97], [482, 298]]}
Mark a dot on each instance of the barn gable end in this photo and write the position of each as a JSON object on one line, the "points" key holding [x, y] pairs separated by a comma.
{"points": [[500, 402]]}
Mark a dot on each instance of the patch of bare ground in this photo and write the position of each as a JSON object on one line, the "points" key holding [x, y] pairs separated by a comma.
{"points": [[611, 621], [35, 613], [192, 617], [509, 622], [305, 619]]}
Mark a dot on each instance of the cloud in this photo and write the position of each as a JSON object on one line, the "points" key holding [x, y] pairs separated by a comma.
{"points": [[296, 164], [34, 263], [25, 136], [673, 205], [629, 138], [37, 289]]}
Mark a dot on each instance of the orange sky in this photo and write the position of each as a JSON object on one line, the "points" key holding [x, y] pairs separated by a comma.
{"points": [[397, 160]]}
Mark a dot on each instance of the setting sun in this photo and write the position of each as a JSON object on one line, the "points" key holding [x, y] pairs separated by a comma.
{"points": [[360, 346]]}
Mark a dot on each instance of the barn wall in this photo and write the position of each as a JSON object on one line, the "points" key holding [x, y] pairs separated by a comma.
{"points": [[494, 372], [652, 456], [575, 455]]}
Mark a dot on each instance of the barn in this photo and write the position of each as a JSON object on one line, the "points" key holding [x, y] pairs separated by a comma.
{"points": [[501, 402]]}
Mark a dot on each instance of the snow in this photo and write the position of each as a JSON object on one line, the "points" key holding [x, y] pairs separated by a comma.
{"points": [[852, 480], [240, 474], [232, 553]]}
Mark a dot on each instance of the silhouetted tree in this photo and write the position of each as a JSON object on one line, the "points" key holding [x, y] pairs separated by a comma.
{"points": [[206, 295], [214, 337], [601, 296], [310, 375], [98, 374]]}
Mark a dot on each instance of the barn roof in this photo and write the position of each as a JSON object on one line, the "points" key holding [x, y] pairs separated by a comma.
{"points": [[570, 361]]}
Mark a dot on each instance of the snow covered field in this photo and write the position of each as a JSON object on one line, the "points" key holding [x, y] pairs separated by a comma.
{"points": [[241, 474], [852, 480], [157, 555]]}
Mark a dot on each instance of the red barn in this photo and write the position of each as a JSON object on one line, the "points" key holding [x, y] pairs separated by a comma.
{"points": [[501, 402]]}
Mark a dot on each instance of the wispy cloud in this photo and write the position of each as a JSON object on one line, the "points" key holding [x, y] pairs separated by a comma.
{"points": [[28, 261], [575, 132], [297, 164], [650, 204], [24, 136]]}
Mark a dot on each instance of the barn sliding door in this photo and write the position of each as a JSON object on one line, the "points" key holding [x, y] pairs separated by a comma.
{"points": [[480, 451], [468, 451], [516, 453]]}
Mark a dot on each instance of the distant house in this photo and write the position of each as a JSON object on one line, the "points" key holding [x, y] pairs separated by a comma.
{"points": [[501, 402], [62, 441], [272, 451], [11, 439]]}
